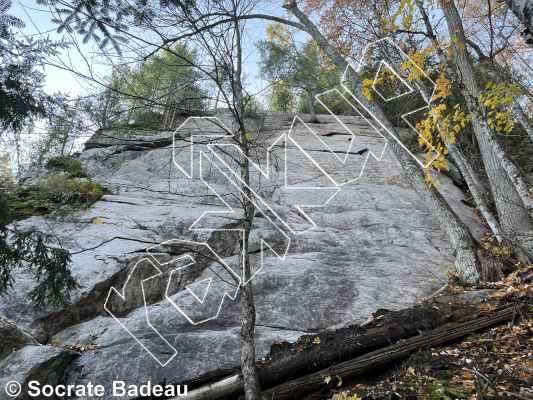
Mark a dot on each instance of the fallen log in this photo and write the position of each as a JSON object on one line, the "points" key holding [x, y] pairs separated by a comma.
{"points": [[378, 358], [294, 360], [216, 390]]}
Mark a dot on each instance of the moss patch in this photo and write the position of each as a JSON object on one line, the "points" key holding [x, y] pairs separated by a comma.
{"points": [[54, 191]]}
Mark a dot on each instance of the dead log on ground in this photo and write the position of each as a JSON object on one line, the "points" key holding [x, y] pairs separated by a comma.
{"points": [[294, 360], [385, 356]]}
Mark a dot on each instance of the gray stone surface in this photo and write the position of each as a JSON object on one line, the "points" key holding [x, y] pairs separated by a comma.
{"points": [[12, 339], [375, 245], [43, 364]]}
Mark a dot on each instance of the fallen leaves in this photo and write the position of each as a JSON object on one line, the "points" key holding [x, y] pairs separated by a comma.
{"points": [[76, 347], [8, 322]]}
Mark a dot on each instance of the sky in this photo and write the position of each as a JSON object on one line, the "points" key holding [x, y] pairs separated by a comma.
{"points": [[39, 24], [58, 78]]}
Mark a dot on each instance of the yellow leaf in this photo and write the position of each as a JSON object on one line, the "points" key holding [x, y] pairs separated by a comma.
{"points": [[461, 46], [455, 40], [248, 136], [340, 380], [327, 379], [317, 340], [98, 222]]}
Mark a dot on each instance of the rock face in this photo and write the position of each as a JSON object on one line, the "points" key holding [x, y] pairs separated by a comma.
{"points": [[375, 245], [12, 339], [43, 364]]}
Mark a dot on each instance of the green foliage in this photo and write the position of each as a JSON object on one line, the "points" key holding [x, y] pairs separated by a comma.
{"points": [[66, 164], [22, 99], [30, 249], [253, 107], [439, 390], [167, 77], [57, 187], [110, 18], [293, 68], [148, 118], [282, 98], [62, 128], [54, 191], [6, 173], [333, 102]]}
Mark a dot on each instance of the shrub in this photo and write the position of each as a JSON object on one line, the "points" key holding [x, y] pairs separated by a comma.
{"points": [[54, 191], [66, 164], [60, 189]]}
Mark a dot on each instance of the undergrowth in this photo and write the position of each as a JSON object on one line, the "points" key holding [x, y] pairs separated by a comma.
{"points": [[54, 191], [66, 164]]}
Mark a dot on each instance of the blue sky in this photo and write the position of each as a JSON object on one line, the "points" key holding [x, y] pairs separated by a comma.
{"points": [[78, 57], [38, 23]]}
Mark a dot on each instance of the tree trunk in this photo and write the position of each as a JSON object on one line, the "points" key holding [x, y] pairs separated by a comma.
{"points": [[395, 352], [473, 182], [304, 357], [458, 235], [488, 65], [513, 200], [523, 9], [476, 190], [252, 389], [313, 119]]}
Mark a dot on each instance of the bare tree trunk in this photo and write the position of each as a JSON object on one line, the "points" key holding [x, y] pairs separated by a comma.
{"points": [[523, 9], [470, 177], [473, 182], [513, 200], [476, 191], [518, 112], [458, 235], [252, 389], [311, 101]]}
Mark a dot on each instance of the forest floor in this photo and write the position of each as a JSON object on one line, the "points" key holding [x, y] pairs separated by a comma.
{"points": [[494, 363]]}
